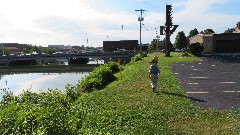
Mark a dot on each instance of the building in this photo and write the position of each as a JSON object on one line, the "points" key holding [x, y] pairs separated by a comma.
{"points": [[64, 49], [218, 43], [111, 46], [14, 47], [238, 28]]}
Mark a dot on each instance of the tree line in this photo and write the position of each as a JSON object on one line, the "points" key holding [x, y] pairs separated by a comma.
{"points": [[181, 40]]}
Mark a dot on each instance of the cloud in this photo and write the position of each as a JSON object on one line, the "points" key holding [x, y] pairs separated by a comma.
{"points": [[35, 84], [44, 22], [202, 14]]}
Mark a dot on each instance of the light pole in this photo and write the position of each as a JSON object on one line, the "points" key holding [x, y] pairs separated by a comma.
{"points": [[2, 46]]}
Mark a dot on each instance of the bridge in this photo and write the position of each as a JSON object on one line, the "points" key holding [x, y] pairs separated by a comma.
{"points": [[103, 56]]}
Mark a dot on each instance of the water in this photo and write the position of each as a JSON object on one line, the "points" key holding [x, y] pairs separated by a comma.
{"points": [[35, 82]]}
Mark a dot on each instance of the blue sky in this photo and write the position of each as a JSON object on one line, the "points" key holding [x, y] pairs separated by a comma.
{"points": [[72, 22]]}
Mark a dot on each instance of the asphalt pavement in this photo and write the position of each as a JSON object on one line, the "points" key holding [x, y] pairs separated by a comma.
{"points": [[213, 82]]}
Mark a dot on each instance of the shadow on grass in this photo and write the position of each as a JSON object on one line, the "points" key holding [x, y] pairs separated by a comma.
{"points": [[184, 96]]}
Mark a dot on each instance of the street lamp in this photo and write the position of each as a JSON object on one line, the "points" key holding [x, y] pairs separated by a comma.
{"points": [[2, 46]]}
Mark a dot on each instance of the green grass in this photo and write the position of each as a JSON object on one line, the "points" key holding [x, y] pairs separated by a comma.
{"points": [[129, 106], [126, 106]]}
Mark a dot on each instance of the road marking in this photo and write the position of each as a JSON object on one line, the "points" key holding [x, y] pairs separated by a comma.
{"points": [[228, 82], [176, 73], [195, 69], [192, 83], [197, 92], [231, 91], [199, 77]]}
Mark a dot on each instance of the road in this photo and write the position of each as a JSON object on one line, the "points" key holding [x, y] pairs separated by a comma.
{"points": [[213, 82]]}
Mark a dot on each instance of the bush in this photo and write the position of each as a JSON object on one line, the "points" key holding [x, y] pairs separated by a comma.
{"points": [[44, 113], [97, 79], [136, 58], [144, 54], [196, 49], [113, 66]]}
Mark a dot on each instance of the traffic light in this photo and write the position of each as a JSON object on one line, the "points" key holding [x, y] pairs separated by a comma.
{"points": [[169, 15], [161, 30]]}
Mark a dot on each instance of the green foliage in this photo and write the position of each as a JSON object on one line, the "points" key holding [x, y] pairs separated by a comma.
{"points": [[156, 45], [181, 40], [137, 57], [144, 54], [231, 30], [49, 112], [97, 79], [196, 49], [113, 66], [193, 33], [207, 31]]}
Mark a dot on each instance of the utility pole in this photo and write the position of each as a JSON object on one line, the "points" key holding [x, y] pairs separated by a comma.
{"points": [[2, 46], [140, 19], [157, 37]]}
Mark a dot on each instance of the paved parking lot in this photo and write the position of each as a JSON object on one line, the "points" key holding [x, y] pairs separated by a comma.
{"points": [[213, 82]]}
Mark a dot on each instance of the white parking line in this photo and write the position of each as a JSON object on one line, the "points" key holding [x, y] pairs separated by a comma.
{"points": [[228, 82], [231, 91], [192, 83], [199, 77]]}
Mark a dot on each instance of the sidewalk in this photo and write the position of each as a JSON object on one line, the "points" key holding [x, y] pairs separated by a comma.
{"points": [[214, 81]]}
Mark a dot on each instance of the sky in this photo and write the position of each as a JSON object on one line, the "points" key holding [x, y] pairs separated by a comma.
{"points": [[90, 22]]}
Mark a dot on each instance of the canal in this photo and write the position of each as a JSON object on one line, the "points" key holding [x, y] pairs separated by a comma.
{"points": [[17, 82]]}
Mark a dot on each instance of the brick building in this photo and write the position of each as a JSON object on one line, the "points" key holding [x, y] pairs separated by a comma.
{"points": [[218, 43], [14, 47], [110, 46]]}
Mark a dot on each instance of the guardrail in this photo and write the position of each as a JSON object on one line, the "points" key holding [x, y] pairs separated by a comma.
{"points": [[68, 56]]}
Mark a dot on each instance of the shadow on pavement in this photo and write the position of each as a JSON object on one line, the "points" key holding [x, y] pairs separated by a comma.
{"points": [[227, 58], [184, 96]]}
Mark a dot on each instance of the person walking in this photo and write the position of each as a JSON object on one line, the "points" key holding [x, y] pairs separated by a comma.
{"points": [[154, 73]]}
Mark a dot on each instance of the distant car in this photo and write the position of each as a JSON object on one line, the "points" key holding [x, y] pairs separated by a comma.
{"points": [[179, 50]]}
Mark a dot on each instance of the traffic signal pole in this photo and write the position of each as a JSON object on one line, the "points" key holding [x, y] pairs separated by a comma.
{"points": [[167, 30], [167, 42]]}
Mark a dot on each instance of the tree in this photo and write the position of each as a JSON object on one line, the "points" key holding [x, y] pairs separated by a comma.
{"points": [[161, 44], [153, 45], [181, 40], [193, 33], [207, 31], [231, 30]]}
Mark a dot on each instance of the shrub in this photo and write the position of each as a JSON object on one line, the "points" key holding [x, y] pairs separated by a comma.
{"points": [[97, 79], [144, 54], [136, 58], [48, 112], [196, 49], [113, 66]]}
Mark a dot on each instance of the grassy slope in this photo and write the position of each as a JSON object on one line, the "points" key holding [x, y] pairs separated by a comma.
{"points": [[128, 106]]}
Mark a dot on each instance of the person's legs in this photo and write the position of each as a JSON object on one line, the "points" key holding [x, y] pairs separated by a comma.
{"points": [[154, 79]]}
